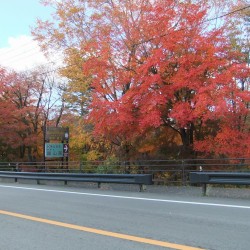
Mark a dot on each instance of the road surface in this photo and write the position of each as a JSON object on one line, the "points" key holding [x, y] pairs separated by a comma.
{"points": [[70, 218]]}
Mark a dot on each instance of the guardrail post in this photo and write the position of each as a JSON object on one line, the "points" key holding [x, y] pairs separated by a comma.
{"points": [[204, 189], [81, 167], [183, 173], [142, 187]]}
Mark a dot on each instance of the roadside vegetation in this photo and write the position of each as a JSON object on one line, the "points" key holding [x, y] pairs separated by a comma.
{"points": [[140, 79]]}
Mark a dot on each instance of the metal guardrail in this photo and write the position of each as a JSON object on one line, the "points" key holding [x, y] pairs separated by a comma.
{"points": [[140, 179], [164, 171], [232, 178]]}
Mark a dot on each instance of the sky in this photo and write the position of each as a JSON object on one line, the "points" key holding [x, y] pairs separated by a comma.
{"points": [[17, 48]]}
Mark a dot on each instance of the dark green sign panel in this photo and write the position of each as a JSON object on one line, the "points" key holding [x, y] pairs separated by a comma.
{"points": [[56, 133], [54, 150]]}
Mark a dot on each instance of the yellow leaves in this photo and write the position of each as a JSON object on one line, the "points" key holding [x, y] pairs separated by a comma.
{"points": [[139, 55], [93, 155], [59, 35], [74, 10]]}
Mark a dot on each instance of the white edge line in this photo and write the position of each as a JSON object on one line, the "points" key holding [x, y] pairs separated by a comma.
{"points": [[130, 197]]}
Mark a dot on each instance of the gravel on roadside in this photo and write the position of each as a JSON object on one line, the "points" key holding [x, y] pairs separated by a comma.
{"points": [[212, 191]]}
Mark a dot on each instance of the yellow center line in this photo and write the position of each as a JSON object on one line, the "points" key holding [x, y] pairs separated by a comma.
{"points": [[101, 232]]}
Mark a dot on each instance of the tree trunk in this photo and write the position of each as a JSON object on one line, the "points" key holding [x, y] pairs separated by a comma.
{"points": [[187, 137]]}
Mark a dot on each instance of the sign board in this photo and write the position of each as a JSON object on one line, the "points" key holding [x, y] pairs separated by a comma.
{"points": [[56, 133], [54, 150]]}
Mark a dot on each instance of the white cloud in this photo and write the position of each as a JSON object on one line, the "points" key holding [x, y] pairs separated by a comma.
{"points": [[22, 53]]}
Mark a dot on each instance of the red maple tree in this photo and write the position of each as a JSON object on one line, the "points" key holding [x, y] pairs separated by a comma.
{"points": [[17, 110], [159, 64]]}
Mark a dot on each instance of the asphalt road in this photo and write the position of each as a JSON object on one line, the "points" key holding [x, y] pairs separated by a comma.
{"points": [[70, 218]]}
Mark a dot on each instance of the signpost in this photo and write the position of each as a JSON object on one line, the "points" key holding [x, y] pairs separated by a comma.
{"points": [[56, 143], [56, 133], [65, 150]]}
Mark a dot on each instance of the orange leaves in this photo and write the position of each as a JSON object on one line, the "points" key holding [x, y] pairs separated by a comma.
{"points": [[155, 63]]}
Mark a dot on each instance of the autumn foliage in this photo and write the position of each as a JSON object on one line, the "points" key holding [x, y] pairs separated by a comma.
{"points": [[151, 70], [144, 76], [25, 106], [16, 111]]}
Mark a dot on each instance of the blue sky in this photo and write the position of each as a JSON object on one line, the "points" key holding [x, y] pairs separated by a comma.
{"points": [[18, 51], [17, 16]]}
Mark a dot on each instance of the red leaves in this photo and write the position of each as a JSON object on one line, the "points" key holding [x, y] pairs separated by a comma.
{"points": [[227, 142], [183, 114], [16, 107], [165, 69]]}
